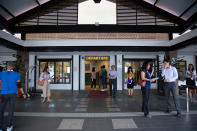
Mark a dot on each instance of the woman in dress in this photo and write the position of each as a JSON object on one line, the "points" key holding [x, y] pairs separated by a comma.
{"points": [[46, 87], [191, 80], [130, 78]]}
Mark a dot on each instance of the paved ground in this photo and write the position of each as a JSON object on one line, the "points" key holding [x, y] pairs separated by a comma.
{"points": [[74, 111]]}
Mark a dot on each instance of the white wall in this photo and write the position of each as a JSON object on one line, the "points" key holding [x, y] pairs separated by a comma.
{"points": [[76, 72], [104, 12], [119, 70]]}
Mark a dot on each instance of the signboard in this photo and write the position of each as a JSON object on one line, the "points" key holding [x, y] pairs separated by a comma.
{"points": [[95, 58]]}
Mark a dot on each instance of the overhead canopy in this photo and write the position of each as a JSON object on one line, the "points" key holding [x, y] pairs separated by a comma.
{"points": [[178, 12]]}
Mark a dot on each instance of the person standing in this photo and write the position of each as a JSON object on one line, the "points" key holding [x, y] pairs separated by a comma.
{"points": [[93, 78], [9, 79], [113, 80], [130, 82], [104, 77], [46, 87], [191, 80], [170, 76], [146, 76]]}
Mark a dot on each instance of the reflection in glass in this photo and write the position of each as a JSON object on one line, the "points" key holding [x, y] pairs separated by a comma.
{"points": [[58, 72]]}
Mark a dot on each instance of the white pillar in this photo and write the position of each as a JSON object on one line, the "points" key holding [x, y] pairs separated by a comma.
{"points": [[31, 70], [119, 70], [82, 73], [75, 72]]}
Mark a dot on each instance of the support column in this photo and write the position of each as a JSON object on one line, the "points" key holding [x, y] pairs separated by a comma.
{"points": [[119, 70], [75, 72], [82, 73], [22, 64], [31, 71]]}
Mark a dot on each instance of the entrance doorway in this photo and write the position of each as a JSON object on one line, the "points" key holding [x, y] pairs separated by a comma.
{"points": [[97, 64]]}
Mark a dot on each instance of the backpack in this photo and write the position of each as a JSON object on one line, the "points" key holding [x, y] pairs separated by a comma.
{"points": [[104, 74]]}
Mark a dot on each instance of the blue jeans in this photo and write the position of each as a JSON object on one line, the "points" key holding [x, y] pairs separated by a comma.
{"points": [[9, 99], [104, 83], [112, 83], [145, 99]]}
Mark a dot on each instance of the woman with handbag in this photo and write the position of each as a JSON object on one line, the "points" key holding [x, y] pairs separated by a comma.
{"points": [[130, 82], [45, 76], [145, 87]]}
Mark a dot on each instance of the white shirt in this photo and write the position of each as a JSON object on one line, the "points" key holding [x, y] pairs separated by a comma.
{"points": [[113, 74], [170, 74], [190, 75], [44, 76]]}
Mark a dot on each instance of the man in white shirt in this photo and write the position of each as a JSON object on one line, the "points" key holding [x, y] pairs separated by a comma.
{"points": [[112, 80], [170, 76]]}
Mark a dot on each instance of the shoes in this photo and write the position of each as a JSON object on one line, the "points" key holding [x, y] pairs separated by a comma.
{"points": [[178, 115], [148, 116], [168, 111], [10, 128]]}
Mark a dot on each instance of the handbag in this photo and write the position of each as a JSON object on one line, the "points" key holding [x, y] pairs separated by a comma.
{"points": [[141, 83], [41, 83]]}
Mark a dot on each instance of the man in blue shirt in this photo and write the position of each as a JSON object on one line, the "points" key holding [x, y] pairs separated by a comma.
{"points": [[9, 80]]}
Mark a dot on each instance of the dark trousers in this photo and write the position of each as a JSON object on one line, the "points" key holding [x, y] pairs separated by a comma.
{"points": [[93, 83], [113, 87], [171, 86], [9, 99], [104, 83], [145, 99]]}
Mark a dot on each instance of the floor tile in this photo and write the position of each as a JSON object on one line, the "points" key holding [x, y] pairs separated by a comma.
{"points": [[71, 124], [124, 124]]}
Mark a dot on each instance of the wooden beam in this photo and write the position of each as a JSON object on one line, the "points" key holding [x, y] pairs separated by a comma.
{"points": [[101, 28], [156, 2], [161, 12]]}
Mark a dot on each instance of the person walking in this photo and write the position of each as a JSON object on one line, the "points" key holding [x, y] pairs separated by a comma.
{"points": [[9, 80], [170, 76], [112, 81], [130, 81], [93, 78], [45, 75], [191, 80], [146, 76]]}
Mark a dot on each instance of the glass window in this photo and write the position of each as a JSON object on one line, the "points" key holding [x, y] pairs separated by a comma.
{"points": [[60, 70], [42, 65], [66, 72], [136, 65], [51, 70]]}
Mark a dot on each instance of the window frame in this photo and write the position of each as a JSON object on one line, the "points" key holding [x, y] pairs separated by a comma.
{"points": [[58, 60]]}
